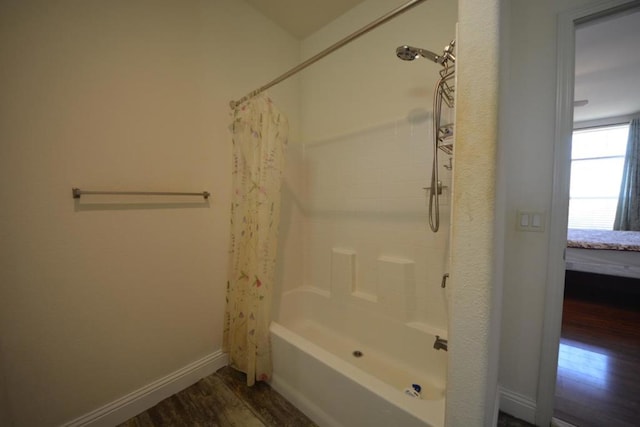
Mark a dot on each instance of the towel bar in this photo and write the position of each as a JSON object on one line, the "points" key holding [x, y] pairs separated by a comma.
{"points": [[78, 192]]}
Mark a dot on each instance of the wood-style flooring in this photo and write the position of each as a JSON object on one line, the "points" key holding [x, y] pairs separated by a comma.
{"points": [[598, 381], [506, 420], [224, 400]]}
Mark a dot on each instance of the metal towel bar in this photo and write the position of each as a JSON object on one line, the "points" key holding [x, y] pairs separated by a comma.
{"points": [[78, 192]]}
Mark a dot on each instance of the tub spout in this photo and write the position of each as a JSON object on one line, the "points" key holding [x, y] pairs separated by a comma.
{"points": [[440, 343]]}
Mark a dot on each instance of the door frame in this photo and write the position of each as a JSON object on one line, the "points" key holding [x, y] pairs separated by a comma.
{"points": [[554, 295]]}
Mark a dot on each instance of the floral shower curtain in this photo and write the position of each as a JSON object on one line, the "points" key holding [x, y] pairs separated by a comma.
{"points": [[259, 142], [628, 211]]}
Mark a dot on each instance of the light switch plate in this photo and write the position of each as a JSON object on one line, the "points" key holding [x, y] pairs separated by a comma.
{"points": [[530, 221]]}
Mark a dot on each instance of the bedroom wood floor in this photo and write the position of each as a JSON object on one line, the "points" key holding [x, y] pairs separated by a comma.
{"points": [[599, 362]]}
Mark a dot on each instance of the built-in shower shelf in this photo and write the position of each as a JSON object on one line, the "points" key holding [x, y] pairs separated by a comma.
{"points": [[446, 146], [445, 138]]}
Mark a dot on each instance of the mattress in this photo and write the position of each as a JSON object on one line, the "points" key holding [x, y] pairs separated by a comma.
{"points": [[615, 253]]}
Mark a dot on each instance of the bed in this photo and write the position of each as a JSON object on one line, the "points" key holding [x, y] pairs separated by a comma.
{"points": [[614, 253]]}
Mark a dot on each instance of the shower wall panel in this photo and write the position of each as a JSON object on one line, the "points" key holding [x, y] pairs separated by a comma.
{"points": [[366, 199], [367, 152]]}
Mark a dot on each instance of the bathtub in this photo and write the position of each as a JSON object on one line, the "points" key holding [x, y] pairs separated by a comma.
{"points": [[314, 338]]}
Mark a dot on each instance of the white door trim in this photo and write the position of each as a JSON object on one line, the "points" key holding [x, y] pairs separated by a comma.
{"points": [[560, 199]]}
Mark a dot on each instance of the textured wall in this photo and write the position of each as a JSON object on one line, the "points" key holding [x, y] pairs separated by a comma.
{"points": [[473, 279], [97, 301]]}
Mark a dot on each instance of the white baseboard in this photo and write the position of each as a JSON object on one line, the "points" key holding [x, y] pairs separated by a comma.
{"points": [[517, 405], [148, 396]]}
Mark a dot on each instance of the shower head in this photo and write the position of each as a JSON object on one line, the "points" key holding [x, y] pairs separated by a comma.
{"points": [[409, 53]]}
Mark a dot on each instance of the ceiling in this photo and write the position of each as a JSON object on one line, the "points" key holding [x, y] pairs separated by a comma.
{"points": [[608, 67], [607, 52], [302, 17]]}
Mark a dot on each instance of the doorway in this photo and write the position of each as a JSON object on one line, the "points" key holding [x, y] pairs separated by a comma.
{"points": [[570, 24]]}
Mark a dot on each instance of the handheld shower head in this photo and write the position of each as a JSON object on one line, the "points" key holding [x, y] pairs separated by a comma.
{"points": [[409, 53]]}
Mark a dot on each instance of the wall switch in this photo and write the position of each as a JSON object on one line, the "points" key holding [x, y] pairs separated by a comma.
{"points": [[530, 221], [536, 221]]}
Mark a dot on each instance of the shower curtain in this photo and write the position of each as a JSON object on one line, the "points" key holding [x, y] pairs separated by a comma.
{"points": [[628, 211], [259, 142]]}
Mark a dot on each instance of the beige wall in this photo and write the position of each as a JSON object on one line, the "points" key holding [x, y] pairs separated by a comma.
{"points": [[5, 416], [98, 300], [529, 164]]}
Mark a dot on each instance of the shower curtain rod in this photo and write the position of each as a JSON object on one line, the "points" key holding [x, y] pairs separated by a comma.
{"points": [[383, 19]]}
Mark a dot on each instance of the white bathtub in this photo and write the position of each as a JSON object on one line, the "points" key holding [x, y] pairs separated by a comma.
{"points": [[313, 340]]}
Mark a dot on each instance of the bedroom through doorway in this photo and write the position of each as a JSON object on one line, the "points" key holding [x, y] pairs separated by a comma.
{"points": [[598, 375]]}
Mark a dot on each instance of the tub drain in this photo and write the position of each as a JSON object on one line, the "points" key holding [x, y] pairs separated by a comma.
{"points": [[357, 353]]}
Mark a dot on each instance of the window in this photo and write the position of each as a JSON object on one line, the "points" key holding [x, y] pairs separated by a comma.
{"points": [[597, 159]]}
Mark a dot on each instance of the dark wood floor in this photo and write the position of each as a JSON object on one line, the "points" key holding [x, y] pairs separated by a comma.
{"points": [[506, 420], [224, 400], [599, 361]]}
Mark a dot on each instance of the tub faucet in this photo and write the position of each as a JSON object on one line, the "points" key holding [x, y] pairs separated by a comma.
{"points": [[440, 343]]}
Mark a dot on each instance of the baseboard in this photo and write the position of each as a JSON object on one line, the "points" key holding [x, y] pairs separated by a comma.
{"points": [[148, 396], [517, 405]]}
